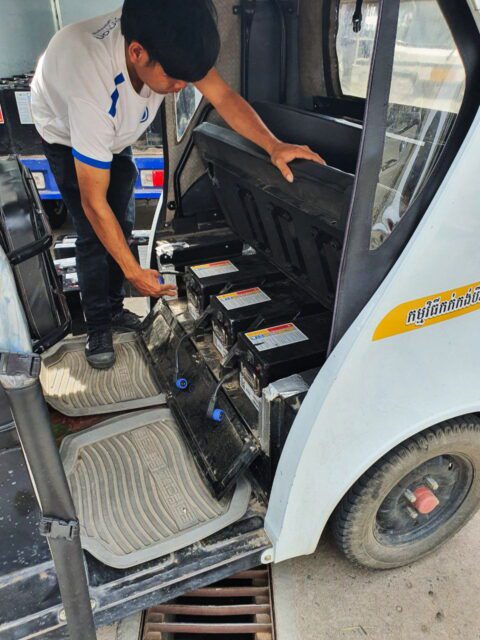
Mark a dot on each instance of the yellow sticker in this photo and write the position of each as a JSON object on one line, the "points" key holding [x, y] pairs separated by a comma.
{"points": [[424, 312]]}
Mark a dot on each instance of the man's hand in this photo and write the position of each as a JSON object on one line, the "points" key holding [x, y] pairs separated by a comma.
{"points": [[283, 153], [243, 119], [94, 184], [146, 282]]}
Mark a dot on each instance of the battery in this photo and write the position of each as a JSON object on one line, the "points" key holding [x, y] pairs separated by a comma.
{"points": [[256, 307], [177, 252], [180, 251], [64, 247], [280, 351], [15, 106], [206, 280]]}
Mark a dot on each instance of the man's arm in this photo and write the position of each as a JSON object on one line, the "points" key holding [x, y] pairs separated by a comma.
{"points": [[93, 185], [244, 120]]}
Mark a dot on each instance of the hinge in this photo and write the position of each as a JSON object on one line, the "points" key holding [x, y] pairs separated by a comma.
{"points": [[57, 529]]}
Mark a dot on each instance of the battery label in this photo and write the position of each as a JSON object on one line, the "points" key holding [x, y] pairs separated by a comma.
{"points": [[249, 392], [192, 306], [65, 263], [169, 278], [275, 337], [24, 106], [2, 119], [192, 309], [214, 269], [219, 344], [245, 298]]}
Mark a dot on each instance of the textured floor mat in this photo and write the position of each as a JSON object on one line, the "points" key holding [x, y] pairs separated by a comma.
{"points": [[72, 387], [138, 492]]}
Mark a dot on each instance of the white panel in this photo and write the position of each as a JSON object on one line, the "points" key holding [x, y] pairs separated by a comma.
{"points": [[75, 11], [372, 395], [25, 30]]}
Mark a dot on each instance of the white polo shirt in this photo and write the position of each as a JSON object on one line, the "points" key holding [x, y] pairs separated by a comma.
{"points": [[82, 96]]}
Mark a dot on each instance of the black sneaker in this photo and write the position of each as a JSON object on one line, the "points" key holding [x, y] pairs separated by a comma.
{"points": [[99, 350], [126, 321]]}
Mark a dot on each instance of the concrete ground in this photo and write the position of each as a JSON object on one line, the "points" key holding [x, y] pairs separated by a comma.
{"points": [[324, 597]]}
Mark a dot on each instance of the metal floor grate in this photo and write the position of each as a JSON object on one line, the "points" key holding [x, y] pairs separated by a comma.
{"points": [[239, 607]]}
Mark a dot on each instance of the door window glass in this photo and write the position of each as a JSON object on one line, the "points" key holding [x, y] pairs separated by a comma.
{"points": [[187, 102], [428, 85]]}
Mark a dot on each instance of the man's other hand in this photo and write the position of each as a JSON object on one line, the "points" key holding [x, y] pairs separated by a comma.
{"points": [[284, 153], [146, 282]]}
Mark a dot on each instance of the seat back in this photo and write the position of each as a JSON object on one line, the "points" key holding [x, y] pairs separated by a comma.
{"points": [[299, 227], [336, 140]]}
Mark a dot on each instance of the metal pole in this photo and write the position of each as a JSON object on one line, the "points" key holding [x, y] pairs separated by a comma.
{"points": [[19, 377], [57, 14]]}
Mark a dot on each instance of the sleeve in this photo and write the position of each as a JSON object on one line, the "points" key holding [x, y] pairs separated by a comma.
{"points": [[92, 133]]}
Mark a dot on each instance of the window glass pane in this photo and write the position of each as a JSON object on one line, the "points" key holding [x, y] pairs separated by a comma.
{"points": [[427, 90], [187, 102], [354, 50]]}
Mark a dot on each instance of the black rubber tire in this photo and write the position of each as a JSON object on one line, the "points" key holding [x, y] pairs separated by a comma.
{"points": [[353, 522], [56, 211]]}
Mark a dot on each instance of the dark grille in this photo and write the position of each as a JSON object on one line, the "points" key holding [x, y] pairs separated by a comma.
{"points": [[239, 607]]}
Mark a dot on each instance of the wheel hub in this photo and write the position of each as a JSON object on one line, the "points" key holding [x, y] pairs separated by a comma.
{"points": [[426, 501]]}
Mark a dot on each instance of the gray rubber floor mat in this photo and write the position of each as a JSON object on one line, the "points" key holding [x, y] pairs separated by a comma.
{"points": [[138, 492], [72, 387]]}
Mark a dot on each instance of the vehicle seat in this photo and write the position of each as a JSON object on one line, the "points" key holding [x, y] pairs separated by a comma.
{"points": [[336, 140], [300, 227]]}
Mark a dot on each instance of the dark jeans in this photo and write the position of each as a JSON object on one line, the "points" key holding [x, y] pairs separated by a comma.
{"points": [[99, 276]]}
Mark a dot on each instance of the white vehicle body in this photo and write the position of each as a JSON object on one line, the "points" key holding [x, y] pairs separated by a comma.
{"points": [[374, 392]]}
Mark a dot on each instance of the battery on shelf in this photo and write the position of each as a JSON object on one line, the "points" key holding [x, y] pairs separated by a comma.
{"points": [[280, 351], [207, 280], [239, 311], [175, 253]]}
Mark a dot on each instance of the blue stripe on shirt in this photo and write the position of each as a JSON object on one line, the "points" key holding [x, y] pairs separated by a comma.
{"points": [[115, 95], [98, 164], [113, 108]]}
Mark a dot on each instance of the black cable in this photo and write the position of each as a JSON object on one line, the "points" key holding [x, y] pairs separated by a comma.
{"points": [[213, 413], [182, 383]]}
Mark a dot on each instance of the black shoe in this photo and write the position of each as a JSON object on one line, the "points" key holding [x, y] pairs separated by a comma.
{"points": [[99, 350], [126, 321]]}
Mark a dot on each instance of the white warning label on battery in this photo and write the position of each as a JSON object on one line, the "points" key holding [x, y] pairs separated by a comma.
{"points": [[24, 106], [249, 392], [214, 269], [219, 345], [275, 337], [193, 311], [246, 298], [169, 278]]}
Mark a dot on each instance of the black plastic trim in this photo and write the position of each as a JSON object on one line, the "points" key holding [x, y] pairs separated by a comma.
{"points": [[177, 190]]}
